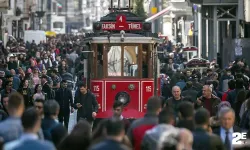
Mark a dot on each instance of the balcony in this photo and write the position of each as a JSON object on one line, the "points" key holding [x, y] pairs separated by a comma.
{"points": [[215, 2]]}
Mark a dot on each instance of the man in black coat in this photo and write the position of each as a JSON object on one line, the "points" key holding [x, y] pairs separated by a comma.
{"points": [[46, 88], [86, 103], [65, 100], [203, 140]]}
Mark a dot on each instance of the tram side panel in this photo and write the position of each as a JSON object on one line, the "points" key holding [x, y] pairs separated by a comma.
{"points": [[148, 91], [97, 88]]}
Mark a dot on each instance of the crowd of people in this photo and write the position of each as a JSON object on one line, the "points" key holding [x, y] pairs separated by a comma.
{"points": [[197, 110]]}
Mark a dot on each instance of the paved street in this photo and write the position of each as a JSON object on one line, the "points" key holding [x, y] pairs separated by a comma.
{"points": [[72, 121], [72, 118]]}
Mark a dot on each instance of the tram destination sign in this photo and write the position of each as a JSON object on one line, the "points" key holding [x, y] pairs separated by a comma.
{"points": [[121, 24], [127, 26]]}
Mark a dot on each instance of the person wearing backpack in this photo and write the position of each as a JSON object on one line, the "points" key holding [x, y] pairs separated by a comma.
{"points": [[53, 131]]}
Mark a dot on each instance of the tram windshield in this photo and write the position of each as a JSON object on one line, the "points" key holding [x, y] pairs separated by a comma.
{"points": [[130, 61], [114, 61], [122, 60]]}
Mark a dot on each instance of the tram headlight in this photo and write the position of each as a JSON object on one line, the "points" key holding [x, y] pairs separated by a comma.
{"points": [[123, 97], [122, 35]]}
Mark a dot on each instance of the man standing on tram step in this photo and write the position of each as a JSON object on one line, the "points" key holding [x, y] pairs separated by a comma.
{"points": [[86, 103], [65, 100]]}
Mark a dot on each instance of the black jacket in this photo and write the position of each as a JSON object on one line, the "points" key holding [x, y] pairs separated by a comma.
{"points": [[64, 98], [206, 141], [48, 91], [89, 105], [27, 95], [190, 93]]}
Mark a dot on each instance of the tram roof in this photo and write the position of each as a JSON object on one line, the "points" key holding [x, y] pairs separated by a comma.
{"points": [[128, 38]]}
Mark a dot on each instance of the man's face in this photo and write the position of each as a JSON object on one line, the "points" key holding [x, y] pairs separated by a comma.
{"points": [[117, 111], [63, 63], [83, 89], [43, 80], [39, 107], [5, 102], [206, 92], [26, 83], [39, 88], [45, 56], [36, 70], [9, 86], [227, 120], [44, 72], [10, 79], [188, 73], [11, 59], [209, 73], [64, 85], [176, 92]]}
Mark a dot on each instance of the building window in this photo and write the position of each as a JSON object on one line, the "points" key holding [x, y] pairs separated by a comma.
{"points": [[60, 10], [54, 7], [57, 25], [88, 3]]}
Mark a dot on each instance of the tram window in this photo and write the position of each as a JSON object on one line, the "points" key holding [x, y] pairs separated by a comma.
{"points": [[145, 61], [130, 65], [114, 61]]}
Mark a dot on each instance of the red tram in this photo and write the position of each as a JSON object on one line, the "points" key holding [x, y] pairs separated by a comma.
{"points": [[123, 66]]}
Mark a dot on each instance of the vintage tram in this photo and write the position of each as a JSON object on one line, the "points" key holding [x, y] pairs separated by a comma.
{"points": [[122, 62]]}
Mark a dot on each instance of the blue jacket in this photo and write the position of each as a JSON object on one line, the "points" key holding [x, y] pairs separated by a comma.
{"points": [[35, 145]]}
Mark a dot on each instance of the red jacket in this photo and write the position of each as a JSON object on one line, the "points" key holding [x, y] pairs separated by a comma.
{"points": [[224, 96], [139, 127]]}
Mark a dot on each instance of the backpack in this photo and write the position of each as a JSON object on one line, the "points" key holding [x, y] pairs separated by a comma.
{"points": [[47, 132]]}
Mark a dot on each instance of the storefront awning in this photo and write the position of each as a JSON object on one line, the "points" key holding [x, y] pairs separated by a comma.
{"points": [[178, 8]]}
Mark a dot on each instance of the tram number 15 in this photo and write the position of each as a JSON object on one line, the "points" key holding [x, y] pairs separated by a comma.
{"points": [[96, 88], [148, 89]]}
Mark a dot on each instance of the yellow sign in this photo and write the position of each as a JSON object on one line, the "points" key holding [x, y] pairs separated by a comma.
{"points": [[190, 32], [154, 10], [50, 34]]}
